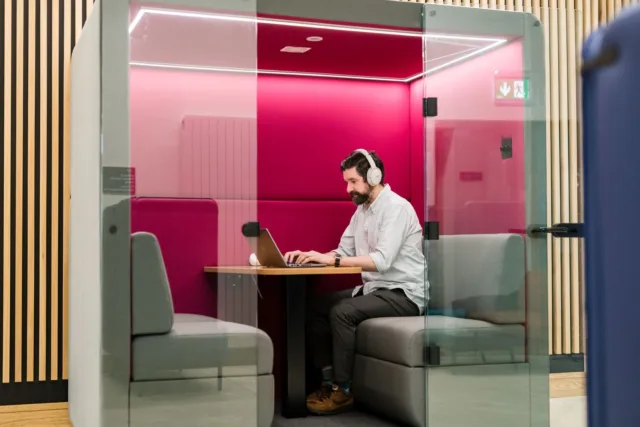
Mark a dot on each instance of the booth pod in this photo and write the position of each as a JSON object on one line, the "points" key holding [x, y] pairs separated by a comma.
{"points": [[202, 140]]}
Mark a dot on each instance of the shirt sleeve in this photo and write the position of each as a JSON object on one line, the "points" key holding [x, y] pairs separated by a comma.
{"points": [[347, 246], [391, 236]]}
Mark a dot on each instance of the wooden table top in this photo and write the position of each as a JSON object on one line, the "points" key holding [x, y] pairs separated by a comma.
{"points": [[274, 271]]}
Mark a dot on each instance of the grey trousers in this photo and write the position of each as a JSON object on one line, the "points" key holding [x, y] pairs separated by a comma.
{"points": [[334, 318]]}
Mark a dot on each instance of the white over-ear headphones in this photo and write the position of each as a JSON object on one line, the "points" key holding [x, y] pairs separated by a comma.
{"points": [[374, 175]]}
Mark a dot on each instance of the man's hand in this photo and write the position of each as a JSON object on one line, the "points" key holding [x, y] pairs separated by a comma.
{"points": [[291, 256], [300, 257]]}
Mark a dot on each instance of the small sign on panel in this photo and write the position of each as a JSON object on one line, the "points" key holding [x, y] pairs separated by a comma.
{"points": [[509, 89]]}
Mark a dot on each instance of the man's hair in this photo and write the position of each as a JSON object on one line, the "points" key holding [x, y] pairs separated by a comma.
{"points": [[358, 160]]}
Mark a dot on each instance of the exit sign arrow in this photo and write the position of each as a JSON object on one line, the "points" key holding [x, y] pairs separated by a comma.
{"points": [[505, 88]]}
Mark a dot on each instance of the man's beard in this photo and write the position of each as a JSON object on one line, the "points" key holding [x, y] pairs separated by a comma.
{"points": [[360, 198]]}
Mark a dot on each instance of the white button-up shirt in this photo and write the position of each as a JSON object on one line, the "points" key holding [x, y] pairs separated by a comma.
{"points": [[390, 233]]}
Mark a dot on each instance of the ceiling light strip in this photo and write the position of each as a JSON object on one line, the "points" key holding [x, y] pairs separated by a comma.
{"points": [[335, 27], [454, 61], [321, 75], [268, 72]]}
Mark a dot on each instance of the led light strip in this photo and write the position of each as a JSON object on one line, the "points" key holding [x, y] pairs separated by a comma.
{"points": [[455, 61], [335, 27], [268, 72], [254, 20]]}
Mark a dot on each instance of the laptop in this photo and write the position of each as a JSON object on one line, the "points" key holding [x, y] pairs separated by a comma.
{"points": [[269, 255]]}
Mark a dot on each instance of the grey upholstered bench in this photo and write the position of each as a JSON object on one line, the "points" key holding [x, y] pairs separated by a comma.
{"points": [[476, 318], [187, 369]]}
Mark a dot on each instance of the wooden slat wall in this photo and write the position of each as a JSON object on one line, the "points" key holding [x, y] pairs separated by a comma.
{"points": [[39, 36], [566, 24]]}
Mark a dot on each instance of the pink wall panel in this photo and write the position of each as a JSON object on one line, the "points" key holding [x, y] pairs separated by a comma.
{"points": [[305, 127], [187, 231], [218, 158], [160, 100]]}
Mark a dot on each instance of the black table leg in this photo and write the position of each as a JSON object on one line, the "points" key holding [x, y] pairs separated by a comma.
{"points": [[294, 397]]}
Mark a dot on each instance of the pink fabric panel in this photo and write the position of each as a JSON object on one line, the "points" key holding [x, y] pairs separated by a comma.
{"points": [[233, 247], [307, 225], [188, 236], [218, 157], [160, 100], [307, 126]]}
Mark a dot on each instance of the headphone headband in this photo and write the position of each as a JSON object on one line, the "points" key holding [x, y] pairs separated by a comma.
{"points": [[368, 156], [374, 175]]}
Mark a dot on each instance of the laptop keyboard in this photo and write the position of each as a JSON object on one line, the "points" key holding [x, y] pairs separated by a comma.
{"points": [[294, 265]]}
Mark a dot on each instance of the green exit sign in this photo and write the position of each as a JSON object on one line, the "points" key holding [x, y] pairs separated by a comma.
{"points": [[511, 89]]}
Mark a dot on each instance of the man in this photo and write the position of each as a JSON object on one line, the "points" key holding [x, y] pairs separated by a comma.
{"points": [[384, 238]]}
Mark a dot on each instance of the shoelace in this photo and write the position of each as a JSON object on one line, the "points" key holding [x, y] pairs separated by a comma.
{"points": [[324, 391]]}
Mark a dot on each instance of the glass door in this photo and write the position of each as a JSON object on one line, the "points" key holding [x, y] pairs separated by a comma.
{"points": [[179, 178], [485, 171]]}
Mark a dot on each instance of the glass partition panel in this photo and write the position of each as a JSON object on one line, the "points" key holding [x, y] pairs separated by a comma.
{"points": [[179, 182], [485, 159]]}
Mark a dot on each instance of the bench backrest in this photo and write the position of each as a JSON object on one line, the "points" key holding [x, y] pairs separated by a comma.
{"points": [[151, 303], [480, 275]]}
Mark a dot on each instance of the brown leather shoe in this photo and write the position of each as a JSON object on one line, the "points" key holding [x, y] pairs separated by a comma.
{"points": [[323, 391], [333, 403]]}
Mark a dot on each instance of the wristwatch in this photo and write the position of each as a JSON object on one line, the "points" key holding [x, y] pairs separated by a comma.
{"points": [[337, 260]]}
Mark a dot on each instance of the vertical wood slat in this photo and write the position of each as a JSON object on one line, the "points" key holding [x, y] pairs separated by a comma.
{"points": [[31, 146], [44, 137], [583, 30], [555, 194], [6, 189], [69, 42], [55, 143], [573, 39], [545, 18], [563, 193], [19, 188]]}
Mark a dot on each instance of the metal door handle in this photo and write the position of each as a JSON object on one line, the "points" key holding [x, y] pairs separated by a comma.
{"points": [[563, 230]]}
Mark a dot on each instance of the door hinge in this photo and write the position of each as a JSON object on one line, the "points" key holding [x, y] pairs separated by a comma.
{"points": [[430, 107], [562, 230], [431, 230], [506, 148], [432, 355]]}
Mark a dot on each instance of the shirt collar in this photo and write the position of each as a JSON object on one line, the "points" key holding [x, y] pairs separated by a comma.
{"points": [[377, 203]]}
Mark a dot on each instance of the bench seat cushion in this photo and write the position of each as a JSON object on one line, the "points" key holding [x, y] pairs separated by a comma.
{"points": [[462, 341], [198, 345]]}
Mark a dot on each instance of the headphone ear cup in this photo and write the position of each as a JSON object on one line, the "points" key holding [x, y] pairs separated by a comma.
{"points": [[374, 176]]}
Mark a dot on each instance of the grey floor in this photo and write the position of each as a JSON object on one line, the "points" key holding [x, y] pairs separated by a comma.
{"points": [[565, 412], [350, 419]]}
